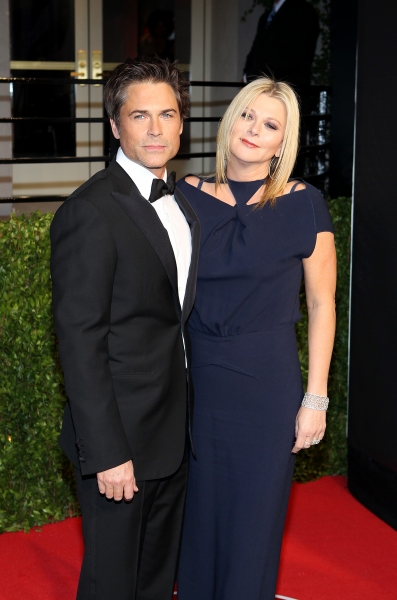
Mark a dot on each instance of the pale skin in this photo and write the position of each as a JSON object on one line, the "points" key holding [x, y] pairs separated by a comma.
{"points": [[254, 141], [150, 126], [149, 133]]}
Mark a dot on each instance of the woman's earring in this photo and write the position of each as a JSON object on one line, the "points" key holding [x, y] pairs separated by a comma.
{"points": [[273, 166]]}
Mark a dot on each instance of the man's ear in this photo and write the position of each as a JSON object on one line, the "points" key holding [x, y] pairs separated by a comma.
{"points": [[115, 131], [181, 128]]}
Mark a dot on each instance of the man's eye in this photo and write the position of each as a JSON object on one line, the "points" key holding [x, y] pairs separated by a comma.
{"points": [[139, 117], [167, 115]]}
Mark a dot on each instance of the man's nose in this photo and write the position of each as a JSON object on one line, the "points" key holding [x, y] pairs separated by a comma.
{"points": [[155, 128]]}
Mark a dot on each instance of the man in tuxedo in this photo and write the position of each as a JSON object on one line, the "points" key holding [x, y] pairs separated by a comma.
{"points": [[285, 43], [124, 264]]}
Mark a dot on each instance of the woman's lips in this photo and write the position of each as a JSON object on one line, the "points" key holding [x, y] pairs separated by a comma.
{"points": [[249, 144]]}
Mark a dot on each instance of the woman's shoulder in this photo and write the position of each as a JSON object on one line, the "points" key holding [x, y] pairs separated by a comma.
{"points": [[194, 180], [189, 185], [297, 184], [294, 185], [196, 188], [321, 215], [191, 180]]}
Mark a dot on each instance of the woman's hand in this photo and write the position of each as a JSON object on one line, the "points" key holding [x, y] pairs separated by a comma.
{"points": [[310, 425]]}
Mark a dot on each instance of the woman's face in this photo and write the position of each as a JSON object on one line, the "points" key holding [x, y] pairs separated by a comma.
{"points": [[258, 134]]}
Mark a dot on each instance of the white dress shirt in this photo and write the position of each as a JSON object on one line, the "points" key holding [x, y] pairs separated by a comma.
{"points": [[169, 214]]}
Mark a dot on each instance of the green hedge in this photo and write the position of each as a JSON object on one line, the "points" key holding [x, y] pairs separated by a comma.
{"points": [[35, 479], [36, 483]]}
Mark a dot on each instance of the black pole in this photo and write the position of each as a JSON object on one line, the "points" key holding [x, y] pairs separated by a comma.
{"points": [[372, 427]]}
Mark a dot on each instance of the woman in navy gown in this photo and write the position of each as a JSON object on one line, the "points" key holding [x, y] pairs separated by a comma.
{"points": [[260, 234]]}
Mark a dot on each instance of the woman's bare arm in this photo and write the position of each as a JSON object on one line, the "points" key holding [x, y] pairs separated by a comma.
{"points": [[320, 283]]}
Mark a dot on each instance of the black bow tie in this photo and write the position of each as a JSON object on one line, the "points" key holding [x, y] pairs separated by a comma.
{"points": [[161, 188]]}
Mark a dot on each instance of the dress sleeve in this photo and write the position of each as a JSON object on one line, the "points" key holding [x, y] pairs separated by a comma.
{"points": [[321, 214]]}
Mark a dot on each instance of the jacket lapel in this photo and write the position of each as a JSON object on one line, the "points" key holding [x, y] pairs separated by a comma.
{"points": [[146, 219], [194, 225]]}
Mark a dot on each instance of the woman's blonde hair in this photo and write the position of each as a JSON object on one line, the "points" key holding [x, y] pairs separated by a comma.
{"points": [[245, 98]]}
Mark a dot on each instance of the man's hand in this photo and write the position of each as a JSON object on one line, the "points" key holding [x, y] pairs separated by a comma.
{"points": [[118, 482]]}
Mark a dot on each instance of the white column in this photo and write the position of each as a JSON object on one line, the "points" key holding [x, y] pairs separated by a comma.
{"points": [[220, 42], [201, 19], [81, 24], [231, 41], [96, 91], [5, 109]]}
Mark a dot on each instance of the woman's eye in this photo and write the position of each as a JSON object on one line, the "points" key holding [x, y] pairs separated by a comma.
{"points": [[271, 126], [246, 115]]}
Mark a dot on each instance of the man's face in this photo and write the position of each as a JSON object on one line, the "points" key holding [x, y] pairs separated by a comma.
{"points": [[150, 125]]}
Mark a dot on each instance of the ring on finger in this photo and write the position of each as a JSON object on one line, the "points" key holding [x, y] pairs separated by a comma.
{"points": [[314, 442]]}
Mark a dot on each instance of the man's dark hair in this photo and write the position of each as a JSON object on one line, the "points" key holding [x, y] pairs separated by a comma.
{"points": [[144, 70]]}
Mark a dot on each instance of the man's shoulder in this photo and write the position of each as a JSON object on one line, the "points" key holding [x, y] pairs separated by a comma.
{"points": [[98, 183], [97, 191], [112, 179], [97, 199], [87, 200]]}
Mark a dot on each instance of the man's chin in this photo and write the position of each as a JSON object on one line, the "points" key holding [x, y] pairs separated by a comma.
{"points": [[156, 157], [152, 161], [160, 163], [155, 167]]}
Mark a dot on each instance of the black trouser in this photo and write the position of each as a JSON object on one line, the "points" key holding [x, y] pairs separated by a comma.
{"points": [[131, 548]]}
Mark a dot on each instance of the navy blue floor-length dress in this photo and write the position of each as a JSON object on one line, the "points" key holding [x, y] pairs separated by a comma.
{"points": [[247, 388]]}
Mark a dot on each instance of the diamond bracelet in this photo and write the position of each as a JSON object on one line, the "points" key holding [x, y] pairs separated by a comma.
{"points": [[315, 402]]}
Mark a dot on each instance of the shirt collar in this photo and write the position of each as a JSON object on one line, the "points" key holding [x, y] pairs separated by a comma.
{"points": [[141, 176]]}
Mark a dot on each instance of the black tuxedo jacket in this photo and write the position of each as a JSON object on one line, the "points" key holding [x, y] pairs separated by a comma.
{"points": [[285, 49], [118, 321]]}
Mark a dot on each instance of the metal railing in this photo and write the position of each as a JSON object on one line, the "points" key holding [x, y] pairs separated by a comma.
{"points": [[312, 161]]}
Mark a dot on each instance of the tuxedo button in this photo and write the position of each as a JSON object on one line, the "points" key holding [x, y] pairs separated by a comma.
{"points": [[82, 459]]}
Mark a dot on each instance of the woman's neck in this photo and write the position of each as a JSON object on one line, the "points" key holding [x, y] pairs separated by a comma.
{"points": [[247, 172]]}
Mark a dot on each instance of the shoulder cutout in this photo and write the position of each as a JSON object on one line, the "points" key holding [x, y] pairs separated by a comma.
{"points": [[223, 194], [192, 180], [294, 186]]}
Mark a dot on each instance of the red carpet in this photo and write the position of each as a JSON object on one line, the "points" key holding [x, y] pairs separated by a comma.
{"points": [[334, 549]]}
